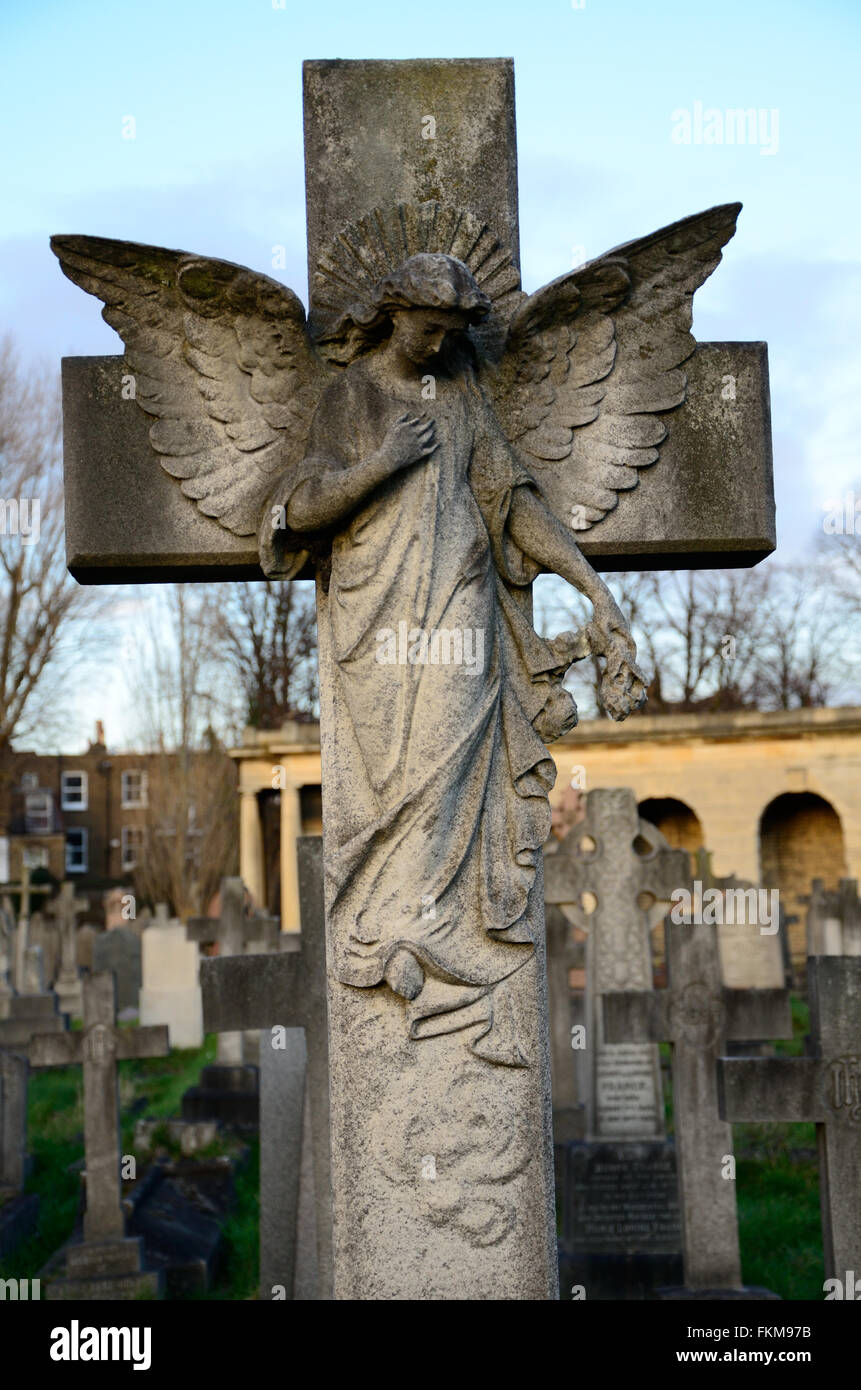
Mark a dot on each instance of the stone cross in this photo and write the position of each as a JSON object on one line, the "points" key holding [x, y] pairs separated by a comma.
{"points": [[22, 937], [66, 908], [233, 931], [615, 858], [98, 1048], [393, 136], [825, 1089], [834, 919], [286, 990], [696, 1014]]}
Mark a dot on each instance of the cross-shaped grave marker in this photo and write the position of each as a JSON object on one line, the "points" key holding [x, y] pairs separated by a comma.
{"points": [[66, 908], [105, 1263], [824, 1089], [377, 183], [229, 1089], [287, 991], [22, 940], [696, 1014], [834, 919]]}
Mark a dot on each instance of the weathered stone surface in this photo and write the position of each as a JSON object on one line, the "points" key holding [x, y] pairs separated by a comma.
{"points": [[66, 909], [697, 1015], [620, 1185], [435, 792], [272, 993], [824, 1088], [104, 1264], [119, 950], [170, 989], [834, 919], [612, 858], [13, 1120]]}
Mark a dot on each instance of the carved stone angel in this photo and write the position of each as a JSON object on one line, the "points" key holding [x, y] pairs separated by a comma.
{"points": [[433, 448]]}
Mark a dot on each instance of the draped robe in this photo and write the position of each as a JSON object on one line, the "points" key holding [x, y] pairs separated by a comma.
{"points": [[435, 804]]}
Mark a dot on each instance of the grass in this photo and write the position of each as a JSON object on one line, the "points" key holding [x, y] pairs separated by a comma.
{"points": [[151, 1087], [777, 1182]]}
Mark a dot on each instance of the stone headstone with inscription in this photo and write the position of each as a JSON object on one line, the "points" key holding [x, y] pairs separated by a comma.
{"points": [[119, 950], [696, 1014], [621, 1234]]}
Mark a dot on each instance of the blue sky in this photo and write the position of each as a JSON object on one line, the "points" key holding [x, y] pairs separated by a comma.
{"points": [[216, 163]]}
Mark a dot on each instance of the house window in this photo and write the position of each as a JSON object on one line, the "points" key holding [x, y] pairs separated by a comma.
{"points": [[77, 861], [73, 791], [132, 844], [133, 789], [38, 813], [36, 857], [29, 781]]}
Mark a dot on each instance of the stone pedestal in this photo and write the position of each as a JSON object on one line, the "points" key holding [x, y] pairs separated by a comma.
{"points": [[105, 1270]]}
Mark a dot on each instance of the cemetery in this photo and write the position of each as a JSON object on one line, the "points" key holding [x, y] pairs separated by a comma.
{"points": [[348, 977]]}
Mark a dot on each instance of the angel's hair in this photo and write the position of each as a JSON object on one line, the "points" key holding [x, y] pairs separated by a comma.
{"points": [[429, 280]]}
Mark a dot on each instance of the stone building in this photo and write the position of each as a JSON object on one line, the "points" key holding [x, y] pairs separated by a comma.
{"points": [[776, 797]]}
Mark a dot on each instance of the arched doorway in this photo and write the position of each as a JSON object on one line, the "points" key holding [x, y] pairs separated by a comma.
{"points": [[800, 838], [679, 825]]}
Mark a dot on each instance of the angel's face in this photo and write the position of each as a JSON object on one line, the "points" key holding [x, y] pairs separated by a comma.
{"points": [[418, 334]]}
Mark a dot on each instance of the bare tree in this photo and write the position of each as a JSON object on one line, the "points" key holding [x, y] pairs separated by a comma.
{"points": [[42, 647], [178, 688], [267, 635], [722, 640]]}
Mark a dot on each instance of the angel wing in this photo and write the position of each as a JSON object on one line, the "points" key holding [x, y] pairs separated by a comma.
{"points": [[221, 361], [593, 358]]}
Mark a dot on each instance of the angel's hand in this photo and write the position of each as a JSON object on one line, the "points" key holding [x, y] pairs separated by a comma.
{"points": [[623, 685], [409, 439], [607, 616]]}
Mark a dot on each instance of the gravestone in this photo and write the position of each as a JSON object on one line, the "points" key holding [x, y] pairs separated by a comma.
{"points": [[621, 1236], [445, 1084], [104, 1265], [18, 1210], [86, 936], [228, 1091], [696, 1014], [119, 950], [287, 992], [824, 1089], [66, 908], [170, 991], [834, 919], [751, 948], [7, 954], [568, 1063], [46, 936], [34, 971]]}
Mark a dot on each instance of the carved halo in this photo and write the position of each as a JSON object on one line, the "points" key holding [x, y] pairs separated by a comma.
{"points": [[366, 250]]}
